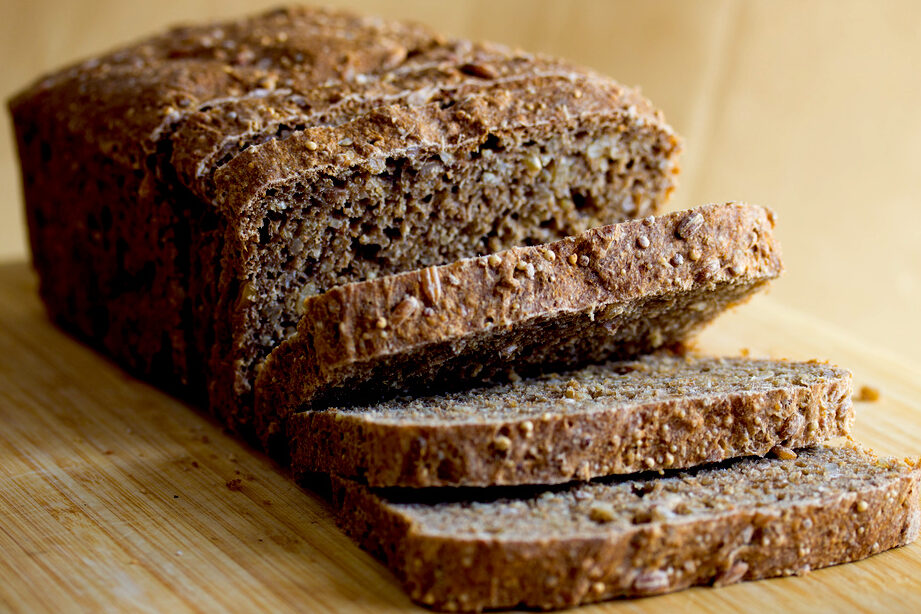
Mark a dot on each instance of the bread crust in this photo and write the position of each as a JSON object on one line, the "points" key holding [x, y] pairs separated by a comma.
{"points": [[462, 567], [615, 291]]}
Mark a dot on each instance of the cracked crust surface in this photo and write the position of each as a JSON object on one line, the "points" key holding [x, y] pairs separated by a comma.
{"points": [[303, 82], [476, 549], [657, 412]]}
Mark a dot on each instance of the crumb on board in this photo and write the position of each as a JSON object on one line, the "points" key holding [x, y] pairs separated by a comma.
{"points": [[867, 394], [235, 484]]}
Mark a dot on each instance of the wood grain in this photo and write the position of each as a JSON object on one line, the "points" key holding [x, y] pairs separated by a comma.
{"points": [[115, 497]]}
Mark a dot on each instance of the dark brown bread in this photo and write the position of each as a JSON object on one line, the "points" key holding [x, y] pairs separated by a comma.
{"points": [[479, 549], [658, 412], [186, 193], [615, 291]]}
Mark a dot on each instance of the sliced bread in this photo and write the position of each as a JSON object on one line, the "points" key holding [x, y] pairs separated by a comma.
{"points": [[185, 192], [475, 549], [657, 412], [614, 291]]}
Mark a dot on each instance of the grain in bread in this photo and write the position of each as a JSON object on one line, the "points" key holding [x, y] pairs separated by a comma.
{"points": [[615, 291], [657, 412], [185, 194], [476, 549]]}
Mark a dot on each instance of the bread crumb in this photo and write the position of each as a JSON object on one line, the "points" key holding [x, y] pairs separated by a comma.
{"points": [[235, 485], [867, 394], [862, 506]]}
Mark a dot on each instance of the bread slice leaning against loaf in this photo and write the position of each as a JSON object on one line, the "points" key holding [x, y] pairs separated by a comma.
{"points": [[658, 412], [612, 292], [476, 549]]}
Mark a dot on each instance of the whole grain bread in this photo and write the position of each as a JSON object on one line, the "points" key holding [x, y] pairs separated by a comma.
{"points": [[657, 412], [186, 193], [615, 291], [476, 549]]}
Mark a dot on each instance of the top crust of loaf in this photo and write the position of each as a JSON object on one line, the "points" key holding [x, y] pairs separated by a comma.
{"points": [[246, 104]]}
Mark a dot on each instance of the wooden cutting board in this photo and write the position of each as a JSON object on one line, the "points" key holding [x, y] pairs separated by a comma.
{"points": [[116, 497]]}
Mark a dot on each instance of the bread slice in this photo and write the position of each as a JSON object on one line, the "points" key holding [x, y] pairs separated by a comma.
{"points": [[475, 549], [614, 291], [658, 412]]}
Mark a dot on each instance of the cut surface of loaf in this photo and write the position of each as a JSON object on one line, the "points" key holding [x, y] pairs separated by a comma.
{"points": [[658, 412], [614, 291], [186, 193], [475, 549]]}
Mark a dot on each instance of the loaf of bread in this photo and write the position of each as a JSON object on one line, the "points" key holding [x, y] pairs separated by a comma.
{"points": [[185, 194], [657, 412], [308, 197], [614, 291], [476, 549]]}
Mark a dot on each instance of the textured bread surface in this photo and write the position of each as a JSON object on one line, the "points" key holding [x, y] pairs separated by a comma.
{"points": [[658, 412], [475, 549], [186, 193], [615, 291]]}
